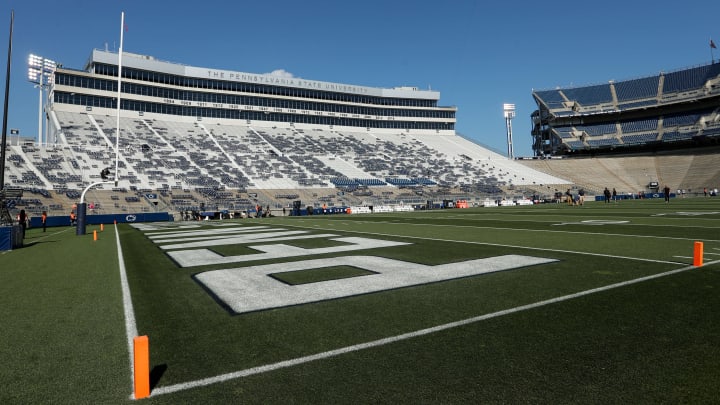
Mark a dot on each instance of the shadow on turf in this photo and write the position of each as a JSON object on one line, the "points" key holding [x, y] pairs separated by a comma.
{"points": [[156, 374], [27, 244]]}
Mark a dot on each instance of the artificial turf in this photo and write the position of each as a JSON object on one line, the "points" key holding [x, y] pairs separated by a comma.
{"points": [[648, 342]]}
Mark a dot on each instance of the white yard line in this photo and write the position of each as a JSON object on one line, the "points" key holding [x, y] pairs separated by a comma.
{"points": [[535, 230], [497, 244], [130, 325], [381, 342], [563, 219]]}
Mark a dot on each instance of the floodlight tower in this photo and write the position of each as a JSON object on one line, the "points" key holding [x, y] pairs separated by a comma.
{"points": [[509, 111], [41, 72]]}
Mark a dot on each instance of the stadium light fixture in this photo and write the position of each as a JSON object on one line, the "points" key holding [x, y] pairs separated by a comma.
{"points": [[41, 72], [509, 113]]}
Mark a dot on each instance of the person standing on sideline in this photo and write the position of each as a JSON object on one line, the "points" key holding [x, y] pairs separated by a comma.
{"points": [[666, 192], [606, 193], [614, 195], [43, 219], [22, 219]]}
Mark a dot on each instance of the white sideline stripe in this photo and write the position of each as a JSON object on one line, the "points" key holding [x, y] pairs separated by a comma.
{"points": [[381, 342], [130, 325]]}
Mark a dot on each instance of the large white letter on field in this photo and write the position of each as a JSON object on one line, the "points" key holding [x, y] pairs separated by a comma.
{"points": [[202, 257], [251, 288]]}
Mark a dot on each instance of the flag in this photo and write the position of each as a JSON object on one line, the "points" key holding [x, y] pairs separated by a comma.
{"points": [[712, 44]]}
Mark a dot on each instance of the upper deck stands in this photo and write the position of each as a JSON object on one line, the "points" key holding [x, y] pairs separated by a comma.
{"points": [[634, 93], [637, 89], [178, 90], [590, 95], [552, 98], [657, 105], [690, 79]]}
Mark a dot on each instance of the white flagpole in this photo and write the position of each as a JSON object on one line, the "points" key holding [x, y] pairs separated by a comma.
{"points": [[119, 91]]}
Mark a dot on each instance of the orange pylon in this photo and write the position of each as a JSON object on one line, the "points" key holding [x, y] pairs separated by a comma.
{"points": [[141, 366], [698, 254]]}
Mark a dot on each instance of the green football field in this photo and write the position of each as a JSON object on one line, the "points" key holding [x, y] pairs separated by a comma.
{"points": [[539, 304]]}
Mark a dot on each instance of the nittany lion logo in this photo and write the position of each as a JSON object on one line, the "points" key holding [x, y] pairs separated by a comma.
{"points": [[130, 218]]}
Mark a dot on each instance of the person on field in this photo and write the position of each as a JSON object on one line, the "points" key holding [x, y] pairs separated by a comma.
{"points": [[73, 218], [22, 219], [43, 219], [666, 192], [614, 195], [607, 195]]}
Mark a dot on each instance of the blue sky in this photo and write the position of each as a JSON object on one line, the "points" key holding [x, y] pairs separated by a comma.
{"points": [[478, 55]]}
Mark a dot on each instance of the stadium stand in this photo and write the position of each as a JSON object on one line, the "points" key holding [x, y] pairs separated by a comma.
{"points": [[230, 144], [688, 169], [661, 112], [191, 165]]}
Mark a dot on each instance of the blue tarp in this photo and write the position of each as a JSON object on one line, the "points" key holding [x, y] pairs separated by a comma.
{"points": [[634, 196], [5, 238], [10, 237], [319, 211], [36, 222]]}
